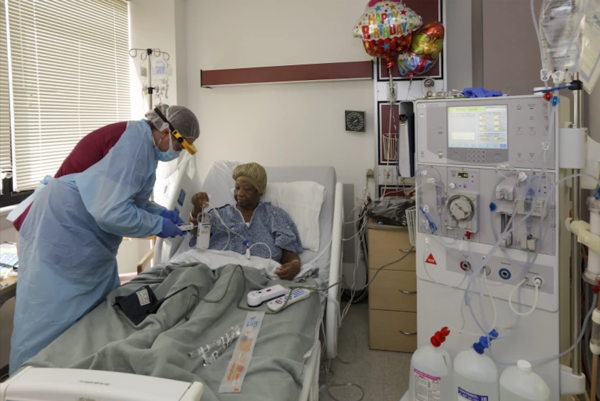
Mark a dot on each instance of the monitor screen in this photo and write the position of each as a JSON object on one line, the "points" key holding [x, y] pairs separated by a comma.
{"points": [[478, 127]]}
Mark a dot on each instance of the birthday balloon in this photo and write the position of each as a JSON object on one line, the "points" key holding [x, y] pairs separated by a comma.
{"points": [[386, 29], [427, 44]]}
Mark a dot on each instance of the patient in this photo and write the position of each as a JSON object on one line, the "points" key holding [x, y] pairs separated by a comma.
{"points": [[252, 220]]}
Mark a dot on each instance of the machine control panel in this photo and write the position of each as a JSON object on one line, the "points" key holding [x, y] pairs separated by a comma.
{"points": [[463, 180], [483, 131]]}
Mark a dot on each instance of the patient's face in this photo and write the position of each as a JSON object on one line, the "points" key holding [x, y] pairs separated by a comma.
{"points": [[246, 195]]}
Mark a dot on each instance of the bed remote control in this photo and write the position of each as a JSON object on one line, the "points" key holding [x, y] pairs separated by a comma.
{"points": [[256, 298], [298, 294]]}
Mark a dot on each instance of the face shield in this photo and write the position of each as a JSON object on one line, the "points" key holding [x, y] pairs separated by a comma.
{"points": [[178, 137]]}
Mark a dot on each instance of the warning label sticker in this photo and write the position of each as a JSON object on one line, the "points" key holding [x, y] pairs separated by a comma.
{"points": [[427, 388], [431, 260]]}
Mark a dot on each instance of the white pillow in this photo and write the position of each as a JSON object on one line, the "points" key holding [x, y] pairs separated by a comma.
{"points": [[302, 200]]}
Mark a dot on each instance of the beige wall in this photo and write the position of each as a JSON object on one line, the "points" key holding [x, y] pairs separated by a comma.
{"points": [[288, 124]]}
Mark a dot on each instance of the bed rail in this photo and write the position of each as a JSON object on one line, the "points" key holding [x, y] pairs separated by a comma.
{"points": [[335, 269]]}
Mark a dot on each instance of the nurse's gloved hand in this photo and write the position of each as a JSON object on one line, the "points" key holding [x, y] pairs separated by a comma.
{"points": [[172, 215], [169, 229]]}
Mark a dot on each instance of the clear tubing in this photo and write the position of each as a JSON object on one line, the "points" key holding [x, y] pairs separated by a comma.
{"points": [[495, 247], [537, 31], [540, 361], [533, 307], [487, 288]]}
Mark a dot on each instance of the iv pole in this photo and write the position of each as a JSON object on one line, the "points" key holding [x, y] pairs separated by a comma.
{"points": [[575, 248], [146, 54]]}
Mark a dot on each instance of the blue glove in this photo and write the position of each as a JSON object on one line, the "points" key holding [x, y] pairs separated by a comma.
{"points": [[480, 92], [169, 229], [172, 215]]}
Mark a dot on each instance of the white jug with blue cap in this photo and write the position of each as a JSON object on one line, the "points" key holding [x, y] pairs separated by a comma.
{"points": [[475, 374]]}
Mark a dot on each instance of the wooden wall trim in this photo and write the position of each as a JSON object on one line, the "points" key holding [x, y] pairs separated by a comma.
{"points": [[354, 70]]}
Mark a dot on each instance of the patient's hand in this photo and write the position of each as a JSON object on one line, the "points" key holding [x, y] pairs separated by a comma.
{"points": [[200, 201], [288, 271]]}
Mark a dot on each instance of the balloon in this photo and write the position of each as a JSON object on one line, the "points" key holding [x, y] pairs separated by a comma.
{"points": [[386, 29], [427, 44]]}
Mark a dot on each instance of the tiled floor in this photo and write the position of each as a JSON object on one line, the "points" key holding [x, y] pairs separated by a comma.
{"points": [[383, 375]]}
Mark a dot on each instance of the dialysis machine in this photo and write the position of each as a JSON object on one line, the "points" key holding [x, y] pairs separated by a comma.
{"points": [[487, 205]]}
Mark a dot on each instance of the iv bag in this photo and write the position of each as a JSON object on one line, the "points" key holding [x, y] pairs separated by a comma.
{"points": [[559, 33], [589, 61]]}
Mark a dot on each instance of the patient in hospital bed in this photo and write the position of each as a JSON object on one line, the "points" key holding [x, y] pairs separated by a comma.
{"points": [[268, 231]]}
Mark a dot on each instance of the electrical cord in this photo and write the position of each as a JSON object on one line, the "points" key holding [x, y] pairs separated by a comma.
{"points": [[329, 385]]}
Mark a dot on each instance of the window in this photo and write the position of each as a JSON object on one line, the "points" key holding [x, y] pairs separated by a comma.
{"points": [[67, 75], [5, 165]]}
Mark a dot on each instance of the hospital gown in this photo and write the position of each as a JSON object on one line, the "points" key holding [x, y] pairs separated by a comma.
{"points": [[269, 225]]}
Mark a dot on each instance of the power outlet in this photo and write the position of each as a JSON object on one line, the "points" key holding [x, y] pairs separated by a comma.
{"points": [[387, 175]]}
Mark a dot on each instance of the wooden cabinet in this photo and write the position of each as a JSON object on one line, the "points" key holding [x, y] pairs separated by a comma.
{"points": [[393, 293]]}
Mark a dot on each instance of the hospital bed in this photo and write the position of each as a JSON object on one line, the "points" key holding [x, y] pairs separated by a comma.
{"points": [[218, 184]]}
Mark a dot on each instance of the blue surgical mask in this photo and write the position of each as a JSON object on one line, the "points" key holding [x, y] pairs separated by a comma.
{"points": [[169, 155]]}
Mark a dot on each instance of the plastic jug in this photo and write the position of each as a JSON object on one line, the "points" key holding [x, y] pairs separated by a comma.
{"points": [[475, 374], [520, 383], [431, 371]]}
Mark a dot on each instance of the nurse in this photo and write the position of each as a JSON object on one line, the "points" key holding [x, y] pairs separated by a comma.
{"points": [[69, 240]]}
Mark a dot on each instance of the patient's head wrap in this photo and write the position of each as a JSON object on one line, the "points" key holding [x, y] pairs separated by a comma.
{"points": [[252, 173]]}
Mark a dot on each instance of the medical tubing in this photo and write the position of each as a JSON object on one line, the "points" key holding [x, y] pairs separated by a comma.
{"points": [[483, 314], [442, 284], [313, 289], [537, 31], [535, 300], [473, 276], [329, 385], [262, 243], [528, 214], [528, 263], [540, 361], [495, 321]]}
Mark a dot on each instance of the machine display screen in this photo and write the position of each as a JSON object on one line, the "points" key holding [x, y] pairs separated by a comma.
{"points": [[478, 127], [463, 175]]}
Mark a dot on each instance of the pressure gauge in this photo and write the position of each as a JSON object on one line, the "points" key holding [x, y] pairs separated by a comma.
{"points": [[461, 208], [428, 87]]}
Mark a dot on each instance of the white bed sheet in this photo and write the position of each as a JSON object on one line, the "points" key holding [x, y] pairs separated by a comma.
{"points": [[215, 259]]}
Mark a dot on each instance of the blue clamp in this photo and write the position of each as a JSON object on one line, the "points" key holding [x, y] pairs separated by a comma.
{"points": [[493, 207], [484, 343], [597, 194], [555, 100], [432, 225], [246, 242]]}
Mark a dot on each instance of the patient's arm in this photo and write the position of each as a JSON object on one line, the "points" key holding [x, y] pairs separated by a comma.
{"points": [[290, 265]]}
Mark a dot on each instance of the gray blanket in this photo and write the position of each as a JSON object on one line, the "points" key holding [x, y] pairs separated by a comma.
{"points": [[106, 340]]}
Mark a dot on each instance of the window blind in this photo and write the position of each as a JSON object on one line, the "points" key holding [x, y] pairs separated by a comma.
{"points": [[5, 160], [70, 75]]}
